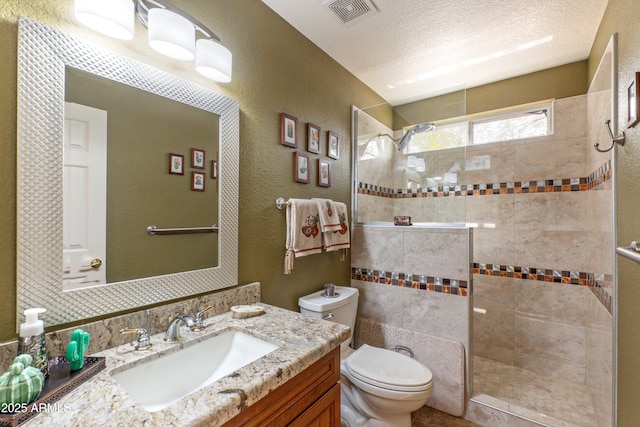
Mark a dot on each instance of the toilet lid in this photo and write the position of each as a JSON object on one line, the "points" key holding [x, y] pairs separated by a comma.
{"points": [[388, 369]]}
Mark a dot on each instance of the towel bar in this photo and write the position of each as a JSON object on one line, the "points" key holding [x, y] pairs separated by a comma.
{"points": [[281, 203], [153, 230], [632, 252]]}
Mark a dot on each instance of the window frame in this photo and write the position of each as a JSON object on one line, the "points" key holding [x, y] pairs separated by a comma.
{"points": [[512, 112], [495, 115]]}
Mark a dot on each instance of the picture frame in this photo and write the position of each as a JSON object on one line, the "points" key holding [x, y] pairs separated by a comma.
{"points": [[288, 130], [214, 169], [633, 101], [197, 158], [301, 167], [313, 138], [333, 145], [197, 181], [324, 173], [176, 164]]}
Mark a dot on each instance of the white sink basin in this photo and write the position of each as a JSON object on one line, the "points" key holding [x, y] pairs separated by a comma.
{"points": [[161, 381]]}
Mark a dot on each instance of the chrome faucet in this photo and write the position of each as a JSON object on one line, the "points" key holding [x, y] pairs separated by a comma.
{"points": [[173, 331], [199, 326], [143, 341]]}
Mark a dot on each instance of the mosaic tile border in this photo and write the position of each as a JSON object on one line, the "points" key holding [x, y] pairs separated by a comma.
{"points": [[409, 280], [600, 176], [597, 282]]}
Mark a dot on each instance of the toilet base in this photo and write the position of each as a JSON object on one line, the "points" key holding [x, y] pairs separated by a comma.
{"points": [[361, 409]]}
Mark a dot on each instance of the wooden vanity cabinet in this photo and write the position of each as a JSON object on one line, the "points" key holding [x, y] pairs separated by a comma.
{"points": [[310, 399]]}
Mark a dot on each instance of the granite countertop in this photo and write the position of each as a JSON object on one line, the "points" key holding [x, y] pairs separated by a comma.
{"points": [[302, 340]]}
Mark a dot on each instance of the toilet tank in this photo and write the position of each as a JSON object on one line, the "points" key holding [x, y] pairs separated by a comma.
{"points": [[340, 308]]}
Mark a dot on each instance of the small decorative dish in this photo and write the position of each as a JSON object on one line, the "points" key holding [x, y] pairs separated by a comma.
{"points": [[244, 311]]}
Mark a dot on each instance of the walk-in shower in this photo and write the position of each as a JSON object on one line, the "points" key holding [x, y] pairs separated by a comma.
{"points": [[539, 297]]}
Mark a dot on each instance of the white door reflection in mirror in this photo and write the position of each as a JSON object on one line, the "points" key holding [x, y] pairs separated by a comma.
{"points": [[84, 196]]}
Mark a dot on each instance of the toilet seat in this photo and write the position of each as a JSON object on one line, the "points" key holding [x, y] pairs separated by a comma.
{"points": [[388, 370]]}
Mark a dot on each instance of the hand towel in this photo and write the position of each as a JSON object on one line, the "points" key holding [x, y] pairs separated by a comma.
{"points": [[303, 234], [328, 215], [335, 240]]}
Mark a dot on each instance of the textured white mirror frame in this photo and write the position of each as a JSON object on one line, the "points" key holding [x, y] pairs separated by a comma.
{"points": [[43, 54]]}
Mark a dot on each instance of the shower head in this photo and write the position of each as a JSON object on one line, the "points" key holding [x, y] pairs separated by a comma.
{"points": [[401, 143], [422, 127]]}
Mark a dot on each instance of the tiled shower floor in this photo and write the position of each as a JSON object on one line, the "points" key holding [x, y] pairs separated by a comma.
{"points": [[548, 400]]}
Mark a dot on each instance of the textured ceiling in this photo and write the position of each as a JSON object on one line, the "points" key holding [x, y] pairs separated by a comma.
{"points": [[415, 49]]}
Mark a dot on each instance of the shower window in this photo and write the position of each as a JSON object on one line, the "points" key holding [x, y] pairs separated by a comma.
{"points": [[443, 136], [515, 123], [528, 123]]}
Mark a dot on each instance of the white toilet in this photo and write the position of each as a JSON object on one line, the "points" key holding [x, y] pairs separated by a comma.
{"points": [[379, 387]]}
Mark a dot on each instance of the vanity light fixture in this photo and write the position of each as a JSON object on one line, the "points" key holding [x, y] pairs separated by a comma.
{"points": [[172, 32], [113, 18], [213, 60]]}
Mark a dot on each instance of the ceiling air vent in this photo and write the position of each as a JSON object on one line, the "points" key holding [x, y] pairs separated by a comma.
{"points": [[350, 12]]}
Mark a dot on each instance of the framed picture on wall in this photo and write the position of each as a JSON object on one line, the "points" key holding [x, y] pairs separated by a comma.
{"points": [[633, 101], [197, 181], [197, 158], [288, 130], [324, 173], [301, 167], [176, 164], [333, 145], [313, 138]]}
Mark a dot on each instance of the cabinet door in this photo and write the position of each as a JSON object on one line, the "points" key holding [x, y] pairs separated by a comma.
{"points": [[295, 397], [324, 413]]}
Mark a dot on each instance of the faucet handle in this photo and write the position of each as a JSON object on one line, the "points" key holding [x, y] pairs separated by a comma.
{"points": [[200, 320], [143, 341]]}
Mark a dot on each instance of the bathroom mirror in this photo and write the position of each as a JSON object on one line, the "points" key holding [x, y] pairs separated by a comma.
{"points": [[110, 200], [44, 56]]}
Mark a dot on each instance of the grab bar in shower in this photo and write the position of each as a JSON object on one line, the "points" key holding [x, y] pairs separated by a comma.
{"points": [[632, 252], [153, 230]]}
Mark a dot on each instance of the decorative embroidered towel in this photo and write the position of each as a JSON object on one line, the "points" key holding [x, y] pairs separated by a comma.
{"points": [[303, 232], [328, 215], [334, 240]]}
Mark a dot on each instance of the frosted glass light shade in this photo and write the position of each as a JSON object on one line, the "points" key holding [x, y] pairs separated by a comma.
{"points": [[171, 34], [113, 18], [213, 60]]}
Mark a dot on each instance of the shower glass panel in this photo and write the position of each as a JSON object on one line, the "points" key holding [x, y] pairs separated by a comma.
{"points": [[540, 293], [426, 179]]}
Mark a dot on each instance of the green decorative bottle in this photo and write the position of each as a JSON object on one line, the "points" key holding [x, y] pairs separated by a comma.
{"points": [[22, 384], [76, 348]]}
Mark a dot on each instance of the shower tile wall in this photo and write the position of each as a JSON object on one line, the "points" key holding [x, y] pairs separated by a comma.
{"points": [[534, 324], [414, 280], [440, 253]]}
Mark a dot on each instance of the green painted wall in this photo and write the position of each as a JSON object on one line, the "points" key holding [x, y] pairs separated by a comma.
{"points": [[558, 82], [622, 17]]}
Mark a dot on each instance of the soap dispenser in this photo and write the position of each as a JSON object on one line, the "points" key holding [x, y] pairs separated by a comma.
{"points": [[32, 340]]}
